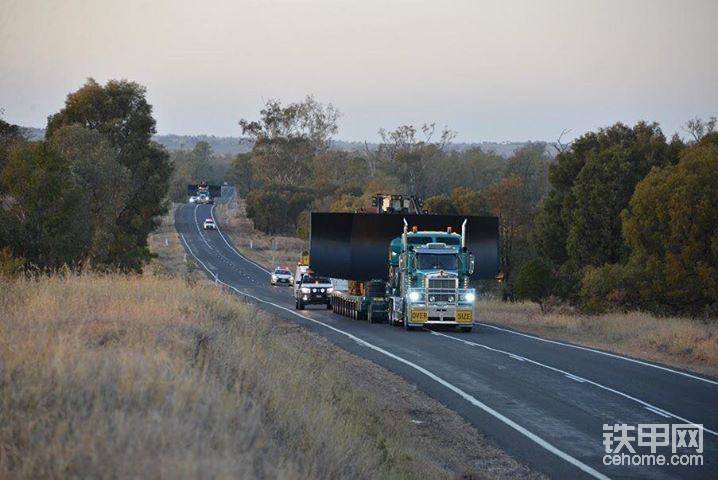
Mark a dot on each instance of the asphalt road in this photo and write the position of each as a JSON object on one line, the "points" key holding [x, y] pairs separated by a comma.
{"points": [[543, 402]]}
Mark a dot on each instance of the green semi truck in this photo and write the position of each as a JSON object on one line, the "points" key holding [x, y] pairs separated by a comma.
{"points": [[419, 276]]}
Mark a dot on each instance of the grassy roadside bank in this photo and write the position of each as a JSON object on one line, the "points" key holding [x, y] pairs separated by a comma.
{"points": [[685, 343], [680, 342]]}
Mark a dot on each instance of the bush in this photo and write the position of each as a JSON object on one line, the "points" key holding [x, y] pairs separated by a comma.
{"points": [[10, 266], [610, 287], [275, 211], [534, 282]]}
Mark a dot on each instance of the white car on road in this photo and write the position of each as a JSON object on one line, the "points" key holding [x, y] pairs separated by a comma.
{"points": [[281, 276], [209, 224]]}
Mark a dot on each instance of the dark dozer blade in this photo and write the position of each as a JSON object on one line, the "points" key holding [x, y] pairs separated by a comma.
{"points": [[215, 191], [356, 245]]}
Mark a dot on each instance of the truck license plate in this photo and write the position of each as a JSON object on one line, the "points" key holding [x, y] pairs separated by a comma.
{"points": [[465, 316], [418, 316]]}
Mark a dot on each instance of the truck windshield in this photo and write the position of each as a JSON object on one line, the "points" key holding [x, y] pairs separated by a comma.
{"points": [[418, 240], [437, 261]]}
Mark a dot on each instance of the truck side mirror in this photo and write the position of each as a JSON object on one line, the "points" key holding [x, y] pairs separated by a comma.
{"points": [[471, 263]]}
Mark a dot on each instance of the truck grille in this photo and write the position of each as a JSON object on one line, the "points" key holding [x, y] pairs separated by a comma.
{"points": [[442, 289]]}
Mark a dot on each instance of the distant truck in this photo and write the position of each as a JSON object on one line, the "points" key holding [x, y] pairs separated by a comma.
{"points": [[202, 193]]}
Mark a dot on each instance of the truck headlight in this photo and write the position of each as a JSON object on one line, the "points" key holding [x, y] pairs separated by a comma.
{"points": [[470, 297], [414, 296], [306, 290], [330, 289], [274, 278]]}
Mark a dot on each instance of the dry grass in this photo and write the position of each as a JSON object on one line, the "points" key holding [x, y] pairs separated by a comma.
{"points": [[682, 342], [270, 251], [141, 376]]}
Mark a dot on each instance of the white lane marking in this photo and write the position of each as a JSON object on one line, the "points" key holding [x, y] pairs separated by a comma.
{"points": [[574, 377], [469, 398], [211, 213], [612, 355], [658, 412]]}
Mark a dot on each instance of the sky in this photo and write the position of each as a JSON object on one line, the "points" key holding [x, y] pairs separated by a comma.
{"points": [[489, 70]]}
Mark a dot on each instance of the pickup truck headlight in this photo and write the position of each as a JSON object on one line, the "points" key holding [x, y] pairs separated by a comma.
{"points": [[306, 290], [274, 278], [414, 296]]}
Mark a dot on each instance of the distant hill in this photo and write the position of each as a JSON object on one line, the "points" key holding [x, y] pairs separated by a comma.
{"points": [[235, 145]]}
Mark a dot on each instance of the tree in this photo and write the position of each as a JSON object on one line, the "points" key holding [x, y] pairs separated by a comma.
{"points": [[240, 173], [194, 166], [120, 112], [530, 164], [592, 182], [508, 201], [699, 128], [277, 211], [102, 180], [533, 282], [9, 134], [461, 201], [440, 205], [286, 138], [404, 154], [309, 120], [38, 219], [671, 226], [469, 202]]}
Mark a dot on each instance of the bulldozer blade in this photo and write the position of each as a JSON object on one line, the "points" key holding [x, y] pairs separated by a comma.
{"points": [[356, 245]]}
